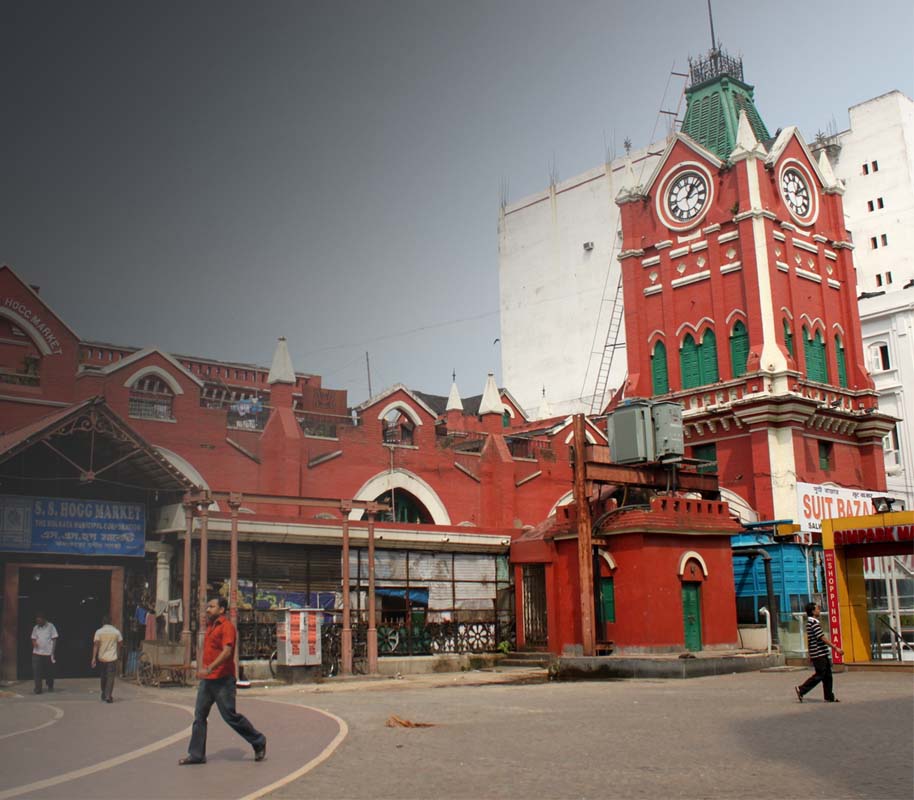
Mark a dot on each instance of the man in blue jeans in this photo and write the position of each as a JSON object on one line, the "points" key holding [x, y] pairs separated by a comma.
{"points": [[217, 685]]}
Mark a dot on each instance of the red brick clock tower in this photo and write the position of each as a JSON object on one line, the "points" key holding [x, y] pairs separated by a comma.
{"points": [[739, 295]]}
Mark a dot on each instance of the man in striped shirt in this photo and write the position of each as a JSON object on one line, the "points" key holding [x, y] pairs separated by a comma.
{"points": [[819, 645]]}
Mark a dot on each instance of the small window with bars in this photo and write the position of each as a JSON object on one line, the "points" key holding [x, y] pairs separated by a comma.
{"points": [[151, 398]]}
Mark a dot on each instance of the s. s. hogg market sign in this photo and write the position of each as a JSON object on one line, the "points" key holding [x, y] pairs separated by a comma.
{"points": [[74, 527]]}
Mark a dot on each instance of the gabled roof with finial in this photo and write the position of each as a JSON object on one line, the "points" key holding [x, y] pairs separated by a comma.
{"points": [[453, 399], [491, 399]]}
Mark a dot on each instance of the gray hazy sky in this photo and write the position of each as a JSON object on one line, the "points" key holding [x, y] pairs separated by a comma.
{"points": [[207, 176]]}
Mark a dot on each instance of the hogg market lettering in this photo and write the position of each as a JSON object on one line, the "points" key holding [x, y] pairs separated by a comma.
{"points": [[32, 318]]}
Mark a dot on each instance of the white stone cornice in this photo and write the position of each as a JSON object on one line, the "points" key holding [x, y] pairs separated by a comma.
{"points": [[629, 254], [755, 214]]}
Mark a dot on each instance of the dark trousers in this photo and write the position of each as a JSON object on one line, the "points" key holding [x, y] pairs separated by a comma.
{"points": [[42, 669], [822, 665], [220, 691], [107, 674]]}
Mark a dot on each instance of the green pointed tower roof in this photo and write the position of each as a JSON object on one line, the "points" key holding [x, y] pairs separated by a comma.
{"points": [[715, 96]]}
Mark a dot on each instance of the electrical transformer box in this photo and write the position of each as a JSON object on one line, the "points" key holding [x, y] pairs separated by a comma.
{"points": [[298, 637], [668, 437], [644, 431], [633, 433]]}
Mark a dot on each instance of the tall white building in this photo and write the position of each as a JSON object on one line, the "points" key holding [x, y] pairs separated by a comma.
{"points": [[875, 159], [558, 275]]}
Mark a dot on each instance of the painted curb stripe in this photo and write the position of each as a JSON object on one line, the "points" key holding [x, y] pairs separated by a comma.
{"points": [[58, 715]]}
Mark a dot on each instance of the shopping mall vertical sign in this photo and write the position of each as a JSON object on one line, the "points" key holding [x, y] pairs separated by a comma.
{"points": [[834, 615], [73, 527]]}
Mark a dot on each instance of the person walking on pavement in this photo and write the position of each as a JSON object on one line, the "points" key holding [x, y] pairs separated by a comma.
{"points": [[44, 643], [105, 651], [819, 644], [217, 685]]}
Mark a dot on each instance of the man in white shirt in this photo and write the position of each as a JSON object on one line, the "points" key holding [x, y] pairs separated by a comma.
{"points": [[105, 650], [44, 643]]}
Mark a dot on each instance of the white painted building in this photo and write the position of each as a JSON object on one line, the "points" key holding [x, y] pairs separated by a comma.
{"points": [[875, 159], [558, 275]]}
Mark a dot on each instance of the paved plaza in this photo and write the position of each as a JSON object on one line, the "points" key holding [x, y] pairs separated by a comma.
{"points": [[737, 736]]}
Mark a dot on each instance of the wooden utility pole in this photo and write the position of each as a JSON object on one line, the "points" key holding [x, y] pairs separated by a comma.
{"points": [[585, 538]]}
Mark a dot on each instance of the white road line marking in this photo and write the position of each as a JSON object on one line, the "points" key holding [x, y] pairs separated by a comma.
{"points": [[75, 774], [58, 714], [318, 759]]}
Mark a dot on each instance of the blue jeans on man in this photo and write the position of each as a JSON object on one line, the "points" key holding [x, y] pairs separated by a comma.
{"points": [[220, 691]]}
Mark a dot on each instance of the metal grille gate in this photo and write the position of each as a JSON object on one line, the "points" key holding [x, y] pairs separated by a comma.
{"points": [[534, 576]]}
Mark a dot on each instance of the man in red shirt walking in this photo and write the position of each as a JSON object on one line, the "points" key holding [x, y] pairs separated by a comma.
{"points": [[217, 685]]}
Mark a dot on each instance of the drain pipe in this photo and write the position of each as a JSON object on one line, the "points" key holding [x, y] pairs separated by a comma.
{"points": [[769, 587]]}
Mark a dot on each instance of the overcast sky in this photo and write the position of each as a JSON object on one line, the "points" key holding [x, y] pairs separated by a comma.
{"points": [[205, 177]]}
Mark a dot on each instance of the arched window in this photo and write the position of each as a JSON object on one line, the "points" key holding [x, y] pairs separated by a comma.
{"points": [[739, 349], [660, 379], [403, 507], [788, 339], [814, 350], [698, 362], [506, 419], [688, 363], [151, 398], [707, 358], [397, 427], [842, 362]]}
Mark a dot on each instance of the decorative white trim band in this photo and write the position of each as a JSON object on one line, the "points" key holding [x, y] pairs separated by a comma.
{"points": [[805, 246], [779, 236], [652, 290], [653, 261], [702, 245], [834, 284], [810, 276], [664, 244], [818, 237], [830, 255], [782, 266], [733, 266], [679, 251], [711, 228], [684, 559], [728, 237], [698, 276], [789, 226]]}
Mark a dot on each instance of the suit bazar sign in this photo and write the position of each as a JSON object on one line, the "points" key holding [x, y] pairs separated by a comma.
{"points": [[73, 527], [816, 501]]}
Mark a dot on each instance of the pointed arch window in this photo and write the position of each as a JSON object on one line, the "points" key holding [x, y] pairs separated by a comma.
{"points": [[660, 378], [788, 339], [698, 362], [688, 363], [707, 358], [814, 350], [842, 362], [506, 419], [739, 348]]}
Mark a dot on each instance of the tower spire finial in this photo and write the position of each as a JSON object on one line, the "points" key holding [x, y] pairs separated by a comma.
{"points": [[711, 20]]}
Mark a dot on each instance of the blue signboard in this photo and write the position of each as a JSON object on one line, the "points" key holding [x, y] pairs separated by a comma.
{"points": [[72, 527]]}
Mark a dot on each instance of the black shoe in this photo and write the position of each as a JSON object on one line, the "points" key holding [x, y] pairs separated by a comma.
{"points": [[260, 753], [36, 691], [833, 700], [184, 762], [799, 693], [109, 699]]}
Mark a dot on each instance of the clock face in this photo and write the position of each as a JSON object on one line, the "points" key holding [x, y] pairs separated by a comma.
{"points": [[796, 192], [687, 196]]}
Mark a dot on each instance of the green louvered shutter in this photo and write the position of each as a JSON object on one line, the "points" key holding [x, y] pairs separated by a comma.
{"points": [[707, 359], [842, 364], [660, 379], [788, 339], [807, 354], [688, 363], [739, 349], [821, 362]]}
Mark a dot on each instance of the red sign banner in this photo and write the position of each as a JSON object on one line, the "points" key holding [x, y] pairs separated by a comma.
{"points": [[831, 590]]}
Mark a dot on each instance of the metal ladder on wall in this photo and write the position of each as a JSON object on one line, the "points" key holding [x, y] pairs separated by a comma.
{"points": [[616, 316]]}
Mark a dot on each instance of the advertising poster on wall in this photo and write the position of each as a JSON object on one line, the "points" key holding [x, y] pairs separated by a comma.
{"points": [[818, 501]]}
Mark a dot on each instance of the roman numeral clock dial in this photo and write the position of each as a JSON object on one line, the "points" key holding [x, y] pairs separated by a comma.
{"points": [[687, 196], [795, 192]]}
